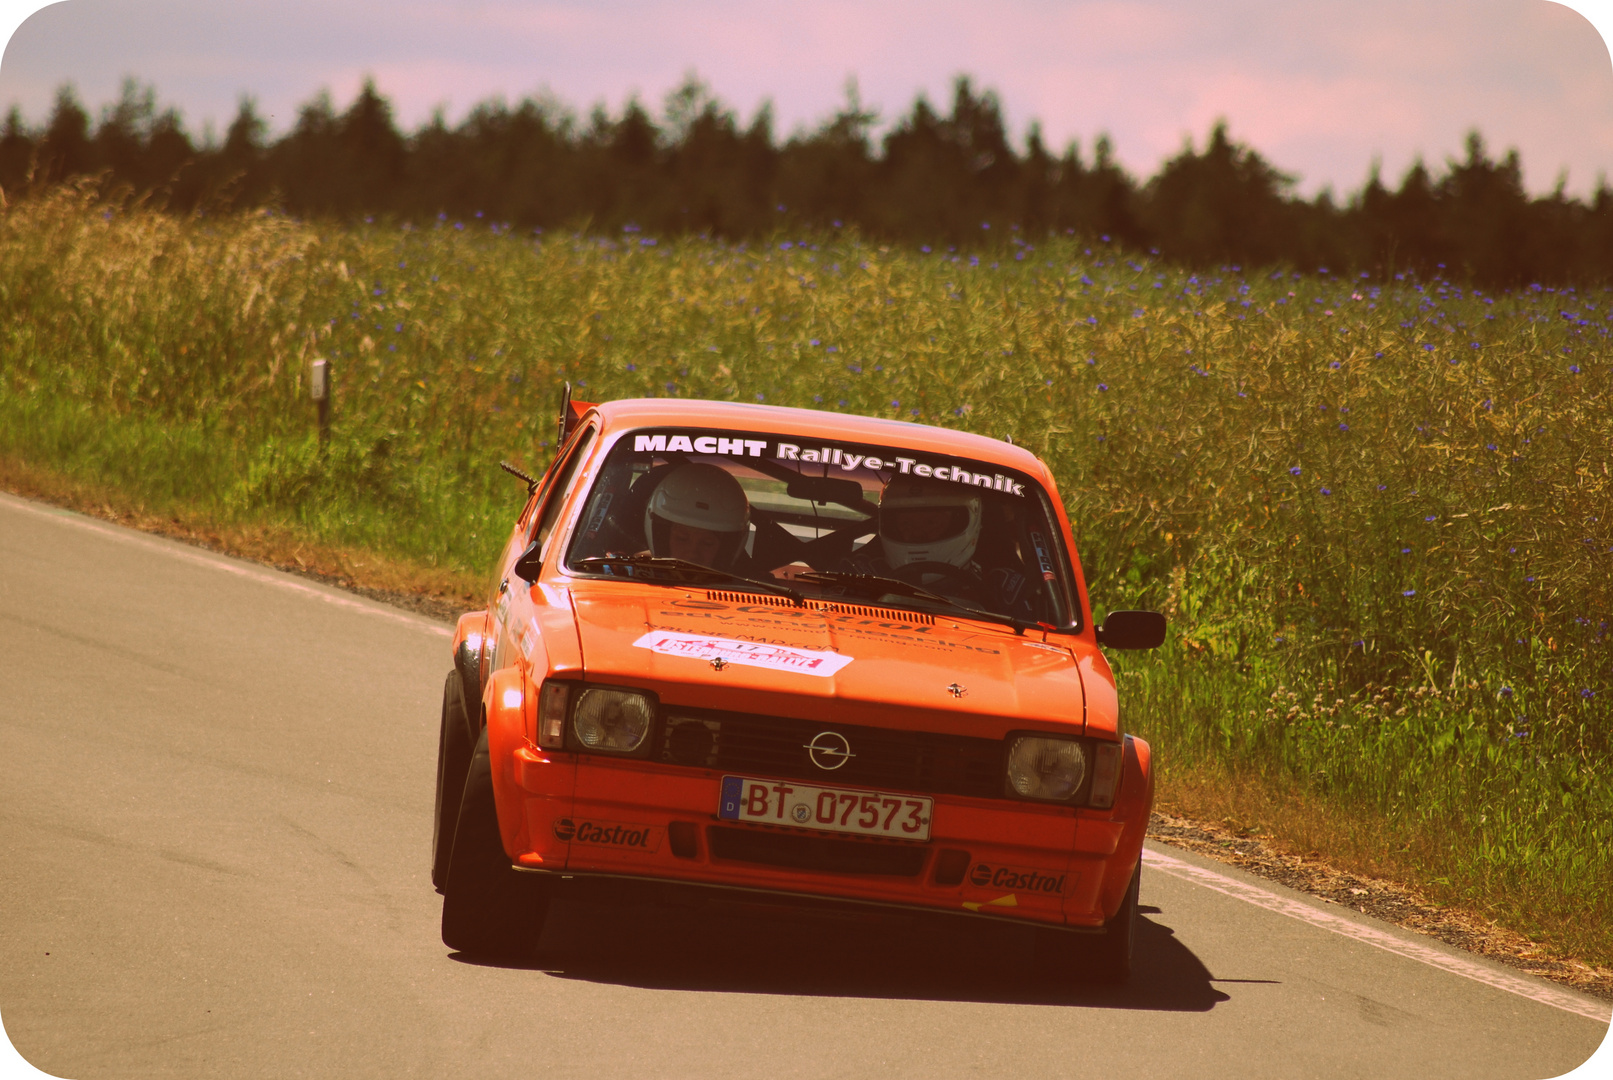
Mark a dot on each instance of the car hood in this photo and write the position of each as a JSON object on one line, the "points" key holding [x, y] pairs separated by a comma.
{"points": [[852, 663]]}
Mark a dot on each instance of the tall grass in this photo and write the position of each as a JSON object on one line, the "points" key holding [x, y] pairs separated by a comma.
{"points": [[1379, 514]]}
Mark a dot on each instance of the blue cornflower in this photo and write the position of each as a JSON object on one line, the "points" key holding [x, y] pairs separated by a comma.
{"points": [[1587, 693], [1431, 517], [1408, 592], [398, 329], [1428, 348], [1327, 491], [1506, 691], [1294, 471], [1344, 427], [1573, 368], [1383, 487]]}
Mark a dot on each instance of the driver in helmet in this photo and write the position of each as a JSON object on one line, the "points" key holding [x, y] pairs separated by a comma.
{"points": [[698, 513], [929, 535], [926, 522]]}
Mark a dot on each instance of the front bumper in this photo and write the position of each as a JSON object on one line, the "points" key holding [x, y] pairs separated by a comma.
{"points": [[587, 815]]}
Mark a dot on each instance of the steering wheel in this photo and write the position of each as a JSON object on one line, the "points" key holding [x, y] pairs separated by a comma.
{"points": [[946, 579]]}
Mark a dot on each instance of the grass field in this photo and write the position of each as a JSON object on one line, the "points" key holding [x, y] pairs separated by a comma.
{"points": [[1379, 514]]}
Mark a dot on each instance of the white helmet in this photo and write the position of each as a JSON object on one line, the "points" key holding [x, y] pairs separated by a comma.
{"points": [[698, 496], [924, 521]]}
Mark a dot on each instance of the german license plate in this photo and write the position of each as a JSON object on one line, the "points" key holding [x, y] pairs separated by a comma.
{"points": [[826, 809]]}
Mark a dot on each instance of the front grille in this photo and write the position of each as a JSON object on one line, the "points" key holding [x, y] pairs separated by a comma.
{"points": [[815, 852], [917, 761]]}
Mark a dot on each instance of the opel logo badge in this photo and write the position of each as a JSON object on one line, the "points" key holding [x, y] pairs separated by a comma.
{"points": [[829, 750]]}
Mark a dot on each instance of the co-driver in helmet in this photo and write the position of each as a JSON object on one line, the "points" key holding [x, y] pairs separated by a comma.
{"points": [[698, 513]]}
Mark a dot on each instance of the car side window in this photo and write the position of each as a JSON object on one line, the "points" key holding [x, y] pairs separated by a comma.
{"points": [[555, 497]]}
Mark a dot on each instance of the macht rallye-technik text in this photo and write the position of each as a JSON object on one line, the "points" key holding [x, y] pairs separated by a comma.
{"points": [[823, 657]]}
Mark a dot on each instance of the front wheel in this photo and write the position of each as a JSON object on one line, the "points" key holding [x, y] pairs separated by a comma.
{"points": [[1109, 962], [454, 746], [489, 909], [1102, 959]]}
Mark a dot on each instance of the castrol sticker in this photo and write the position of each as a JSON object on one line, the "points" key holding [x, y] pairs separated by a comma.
{"points": [[720, 652]]}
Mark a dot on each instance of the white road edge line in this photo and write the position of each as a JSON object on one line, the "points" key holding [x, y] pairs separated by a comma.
{"points": [[222, 562], [1534, 990]]}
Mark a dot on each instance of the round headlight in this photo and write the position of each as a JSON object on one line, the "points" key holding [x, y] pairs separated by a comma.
{"points": [[616, 721], [1046, 768]]}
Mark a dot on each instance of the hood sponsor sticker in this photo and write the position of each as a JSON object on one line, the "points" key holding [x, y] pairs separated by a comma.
{"points": [[1019, 878], [616, 834], [745, 653]]}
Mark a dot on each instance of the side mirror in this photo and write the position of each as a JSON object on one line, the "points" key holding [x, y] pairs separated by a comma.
{"points": [[527, 566], [1132, 630]]}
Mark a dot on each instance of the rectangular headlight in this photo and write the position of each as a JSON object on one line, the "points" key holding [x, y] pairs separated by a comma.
{"points": [[1046, 768], [612, 721]]}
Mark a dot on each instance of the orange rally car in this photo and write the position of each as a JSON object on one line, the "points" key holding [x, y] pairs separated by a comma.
{"points": [[824, 657]]}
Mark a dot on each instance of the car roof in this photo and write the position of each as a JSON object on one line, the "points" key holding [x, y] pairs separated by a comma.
{"points": [[814, 423]]}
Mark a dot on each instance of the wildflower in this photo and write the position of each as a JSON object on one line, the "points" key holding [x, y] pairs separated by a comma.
{"points": [[1409, 592], [1573, 369], [1327, 491], [1334, 365], [1587, 693], [1428, 348], [1431, 517], [1294, 471], [1383, 487], [1344, 427], [1506, 691], [1103, 386]]}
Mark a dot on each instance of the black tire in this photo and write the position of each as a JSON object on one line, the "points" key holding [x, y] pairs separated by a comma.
{"points": [[1109, 962], [1066, 956], [489, 909], [454, 746]]}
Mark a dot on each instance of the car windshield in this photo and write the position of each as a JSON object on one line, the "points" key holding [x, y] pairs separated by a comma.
{"points": [[825, 520]]}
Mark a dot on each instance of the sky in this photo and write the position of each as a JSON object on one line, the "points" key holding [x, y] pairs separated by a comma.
{"points": [[1321, 89]]}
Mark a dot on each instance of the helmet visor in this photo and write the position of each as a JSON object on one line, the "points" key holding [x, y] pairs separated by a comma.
{"points": [[923, 524]]}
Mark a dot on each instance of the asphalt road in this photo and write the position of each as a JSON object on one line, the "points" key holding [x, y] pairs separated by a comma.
{"points": [[215, 795]]}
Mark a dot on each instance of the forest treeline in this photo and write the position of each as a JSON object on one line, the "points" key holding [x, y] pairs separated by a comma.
{"points": [[952, 178]]}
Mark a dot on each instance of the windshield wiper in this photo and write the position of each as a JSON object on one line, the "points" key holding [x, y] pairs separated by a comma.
{"points": [[684, 570], [875, 586]]}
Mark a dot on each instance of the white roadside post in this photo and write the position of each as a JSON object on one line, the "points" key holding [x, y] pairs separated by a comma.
{"points": [[319, 390]]}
